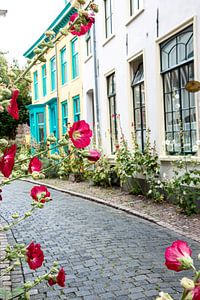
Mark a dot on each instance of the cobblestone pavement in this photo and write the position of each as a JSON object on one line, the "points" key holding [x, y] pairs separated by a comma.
{"points": [[106, 253]]}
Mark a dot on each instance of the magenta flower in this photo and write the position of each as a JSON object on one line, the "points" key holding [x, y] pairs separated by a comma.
{"points": [[80, 134], [7, 161], [93, 155], [178, 256], [196, 293], [60, 279], [35, 256], [35, 165], [83, 28], [12, 108], [40, 193]]}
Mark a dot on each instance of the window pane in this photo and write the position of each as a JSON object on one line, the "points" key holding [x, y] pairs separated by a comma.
{"points": [[137, 119], [191, 71], [192, 100], [184, 75], [143, 118], [172, 57], [186, 119], [190, 51], [40, 117], [177, 142], [175, 101], [185, 99], [194, 139], [167, 83], [193, 118], [41, 133], [176, 121], [136, 96], [169, 142], [139, 138], [168, 106], [169, 122], [175, 80]]}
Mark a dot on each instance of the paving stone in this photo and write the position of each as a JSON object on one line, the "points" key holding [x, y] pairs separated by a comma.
{"points": [[106, 253]]}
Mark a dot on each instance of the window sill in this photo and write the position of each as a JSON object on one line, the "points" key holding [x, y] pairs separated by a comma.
{"points": [[132, 18], [74, 79], [64, 84], [88, 58], [169, 158], [108, 40]]}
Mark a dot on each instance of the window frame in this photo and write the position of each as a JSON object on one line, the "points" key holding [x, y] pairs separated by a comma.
{"points": [[75, 59], [35, 85], [53, 73], [109, 17], [178, 94], [142, 107], [88, 42], [133, 11], [111, 95], [63, 64], [44, 80], [76, 104]]}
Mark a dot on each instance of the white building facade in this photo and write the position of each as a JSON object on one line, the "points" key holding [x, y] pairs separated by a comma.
{"points": [[139, 57]]}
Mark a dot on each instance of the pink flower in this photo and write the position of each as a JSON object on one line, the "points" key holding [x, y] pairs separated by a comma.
{"points": [[80, 134], [178, 256], [60, 279], [35, 256], [12, 108], [7, 161], [93, 155], [35, 165], [83, 28], [40, 193], [196, 293]]}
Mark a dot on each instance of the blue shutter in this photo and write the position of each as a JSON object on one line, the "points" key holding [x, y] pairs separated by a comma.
{"points": [[64, 116], [75, 66], [53, 73], [35, 82], [76, 105], [44, 80], [63, 65]]}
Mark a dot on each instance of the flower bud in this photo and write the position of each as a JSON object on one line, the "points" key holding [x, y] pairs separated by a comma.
{"points": [[1, 108], [37, 50], [28, 285], [81, 1], [49, 33], [63, 142], [187, 283], [164, 296], [40, 205], [41, 176], [94, 7], [64, 31], [3, 143], [28, 214], [24, 167], [15, 216], [6, 228], [17, 263], [27, 296], [35, 175]]}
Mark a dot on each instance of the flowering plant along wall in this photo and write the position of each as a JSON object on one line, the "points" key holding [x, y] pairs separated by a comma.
{"points": [[13, 168]]}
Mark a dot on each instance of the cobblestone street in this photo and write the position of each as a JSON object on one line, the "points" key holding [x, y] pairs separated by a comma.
{"points": [[106, 253]]}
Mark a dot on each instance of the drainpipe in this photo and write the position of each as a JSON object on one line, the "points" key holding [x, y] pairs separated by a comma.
{"points": [[57, 90], [98, 132]]}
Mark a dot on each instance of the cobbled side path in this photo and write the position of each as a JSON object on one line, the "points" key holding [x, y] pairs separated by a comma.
{"points": [[106, 253]]}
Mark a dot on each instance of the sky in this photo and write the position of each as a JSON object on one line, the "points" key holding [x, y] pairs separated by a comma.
{"points": [[24, 23]]}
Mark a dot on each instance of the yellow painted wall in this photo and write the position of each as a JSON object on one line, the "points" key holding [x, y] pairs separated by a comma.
{"points": [[72, 88]]}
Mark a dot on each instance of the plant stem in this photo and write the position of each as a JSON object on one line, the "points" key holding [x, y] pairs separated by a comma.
{"points": [[7, 270]]}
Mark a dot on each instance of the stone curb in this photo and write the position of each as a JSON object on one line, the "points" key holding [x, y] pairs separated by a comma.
{"points": [[130, 211]]}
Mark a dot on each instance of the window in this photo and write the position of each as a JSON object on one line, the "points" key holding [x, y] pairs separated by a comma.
{"points": [[77, 113], [88, 44], [53, 73], [75, 67], [64, 116], [139, 106], [35, 83], [40, 127], [177, 68], [135, 6], [108, 17], [111, 92], [63, 61], [44, 80]]}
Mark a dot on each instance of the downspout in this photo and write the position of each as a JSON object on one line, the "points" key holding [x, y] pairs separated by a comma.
{"points": [[98, 132], [57, 91]]}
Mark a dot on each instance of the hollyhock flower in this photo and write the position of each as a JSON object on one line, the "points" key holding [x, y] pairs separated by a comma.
{"points": [[35, 165], [196, 293], [187, 283], [60, 279], [40, 193], [93, 155], [12, 108], [0, 195], [7, 161], [178, 256], [80, 134], [35, 256], [81, 29]]}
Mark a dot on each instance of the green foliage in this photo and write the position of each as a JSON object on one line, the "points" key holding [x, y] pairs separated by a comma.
{"points": [[184, 186], [8, 125], [102, 174]]}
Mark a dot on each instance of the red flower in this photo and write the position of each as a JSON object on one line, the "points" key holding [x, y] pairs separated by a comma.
{"points": [[93, 155], [7, 161], [40, 193], [60, 279], [80, 134], [12, 108], [35, 256], [178, 256], [35, 165], [196, 293], [89, 21]]}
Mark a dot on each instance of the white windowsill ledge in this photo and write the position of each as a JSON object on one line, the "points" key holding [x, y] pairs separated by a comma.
{"points": [[87, 58], [178, 157], [108, 40], [132, 18]]}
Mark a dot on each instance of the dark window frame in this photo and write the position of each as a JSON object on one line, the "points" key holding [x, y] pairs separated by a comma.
{"points": [[112, 116], [107, 18]]}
